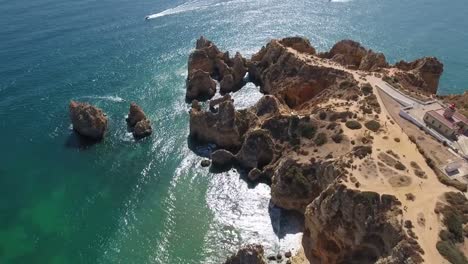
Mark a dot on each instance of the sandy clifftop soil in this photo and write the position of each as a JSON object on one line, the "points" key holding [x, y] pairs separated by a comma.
{"points": [[324, 140]]}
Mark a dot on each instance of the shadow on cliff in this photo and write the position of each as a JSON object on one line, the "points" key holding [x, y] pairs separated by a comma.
{"points": [[199, 148], [285, 222], [76, 141]]}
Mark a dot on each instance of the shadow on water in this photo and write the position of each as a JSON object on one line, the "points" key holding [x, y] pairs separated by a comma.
{"points": [[284, 221], [76, 141]]}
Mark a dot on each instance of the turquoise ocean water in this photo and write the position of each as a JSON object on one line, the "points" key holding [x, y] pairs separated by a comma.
{"points": [[150, 202]]}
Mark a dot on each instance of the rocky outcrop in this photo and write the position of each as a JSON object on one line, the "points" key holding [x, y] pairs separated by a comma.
{"points": [[250, 254], [300, 44], [200, 86], [219, 128], [88, 120], [349, 226], [138, 123], [257, 151], [267, 105], [351, 54], [280, 72], [222, 158], [206, 64], [422, 73], [295, 185]]}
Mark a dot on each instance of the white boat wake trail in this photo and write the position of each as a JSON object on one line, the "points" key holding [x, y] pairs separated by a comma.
{"points": [[194, 5], [185, 7]]}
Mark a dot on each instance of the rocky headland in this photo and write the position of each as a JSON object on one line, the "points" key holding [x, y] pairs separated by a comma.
{"points": [[324, 141]]}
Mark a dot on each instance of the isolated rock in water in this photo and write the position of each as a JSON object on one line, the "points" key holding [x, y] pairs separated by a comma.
{"points": [[135, 115], [205, 163], [426, 73], [257, 150], [300, 44], [88, 120], [222, 158], [142, 129], [200, 86], [219, 128], [254, 174], [250, 254], [349, 226], [138, 123]]}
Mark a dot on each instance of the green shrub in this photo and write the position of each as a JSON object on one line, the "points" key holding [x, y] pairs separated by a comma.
{"points": [[451, 252], [307, 130], [353, 124], [372, 125], [321, 139], [367, 89]]}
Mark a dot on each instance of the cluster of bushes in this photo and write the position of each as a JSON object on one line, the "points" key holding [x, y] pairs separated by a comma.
{"points": [[353, 124], [372, 125], [454, 219]]}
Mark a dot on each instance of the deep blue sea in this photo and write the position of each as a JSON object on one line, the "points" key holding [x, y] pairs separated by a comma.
{"points": [[123, 201]]}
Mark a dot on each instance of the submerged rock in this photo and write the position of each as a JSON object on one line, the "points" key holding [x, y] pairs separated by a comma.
{"points": [[250, 254], [138, 123], [88, 120]]}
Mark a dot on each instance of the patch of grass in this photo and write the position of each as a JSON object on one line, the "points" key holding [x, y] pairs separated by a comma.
{"points": [[372, 125], [320, 139], [353, 124]]}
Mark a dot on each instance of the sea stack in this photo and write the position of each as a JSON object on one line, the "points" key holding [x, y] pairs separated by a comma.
{"points": [[88, 121], [138, 123]]}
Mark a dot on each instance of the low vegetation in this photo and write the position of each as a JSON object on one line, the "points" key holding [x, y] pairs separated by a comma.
{"points": [[321, 139], [453, 219], [366, 89], [372, 125], [353, 124]]}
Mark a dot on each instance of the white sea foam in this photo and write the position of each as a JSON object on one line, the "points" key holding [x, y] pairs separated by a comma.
{"points": [[112, 98]]}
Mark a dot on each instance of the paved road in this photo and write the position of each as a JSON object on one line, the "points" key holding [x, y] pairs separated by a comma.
{"points": [[399, 97]]}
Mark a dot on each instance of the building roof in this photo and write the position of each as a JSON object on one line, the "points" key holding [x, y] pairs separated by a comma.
{"points": [[450, 122]]}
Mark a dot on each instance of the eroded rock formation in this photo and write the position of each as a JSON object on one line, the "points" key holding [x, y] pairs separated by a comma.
{"points": [[88, 120], [250, 254], [422, 73], [280, 72], [349, 226], [305, 136], [138, 122], [351, 54], [206, 64]]}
